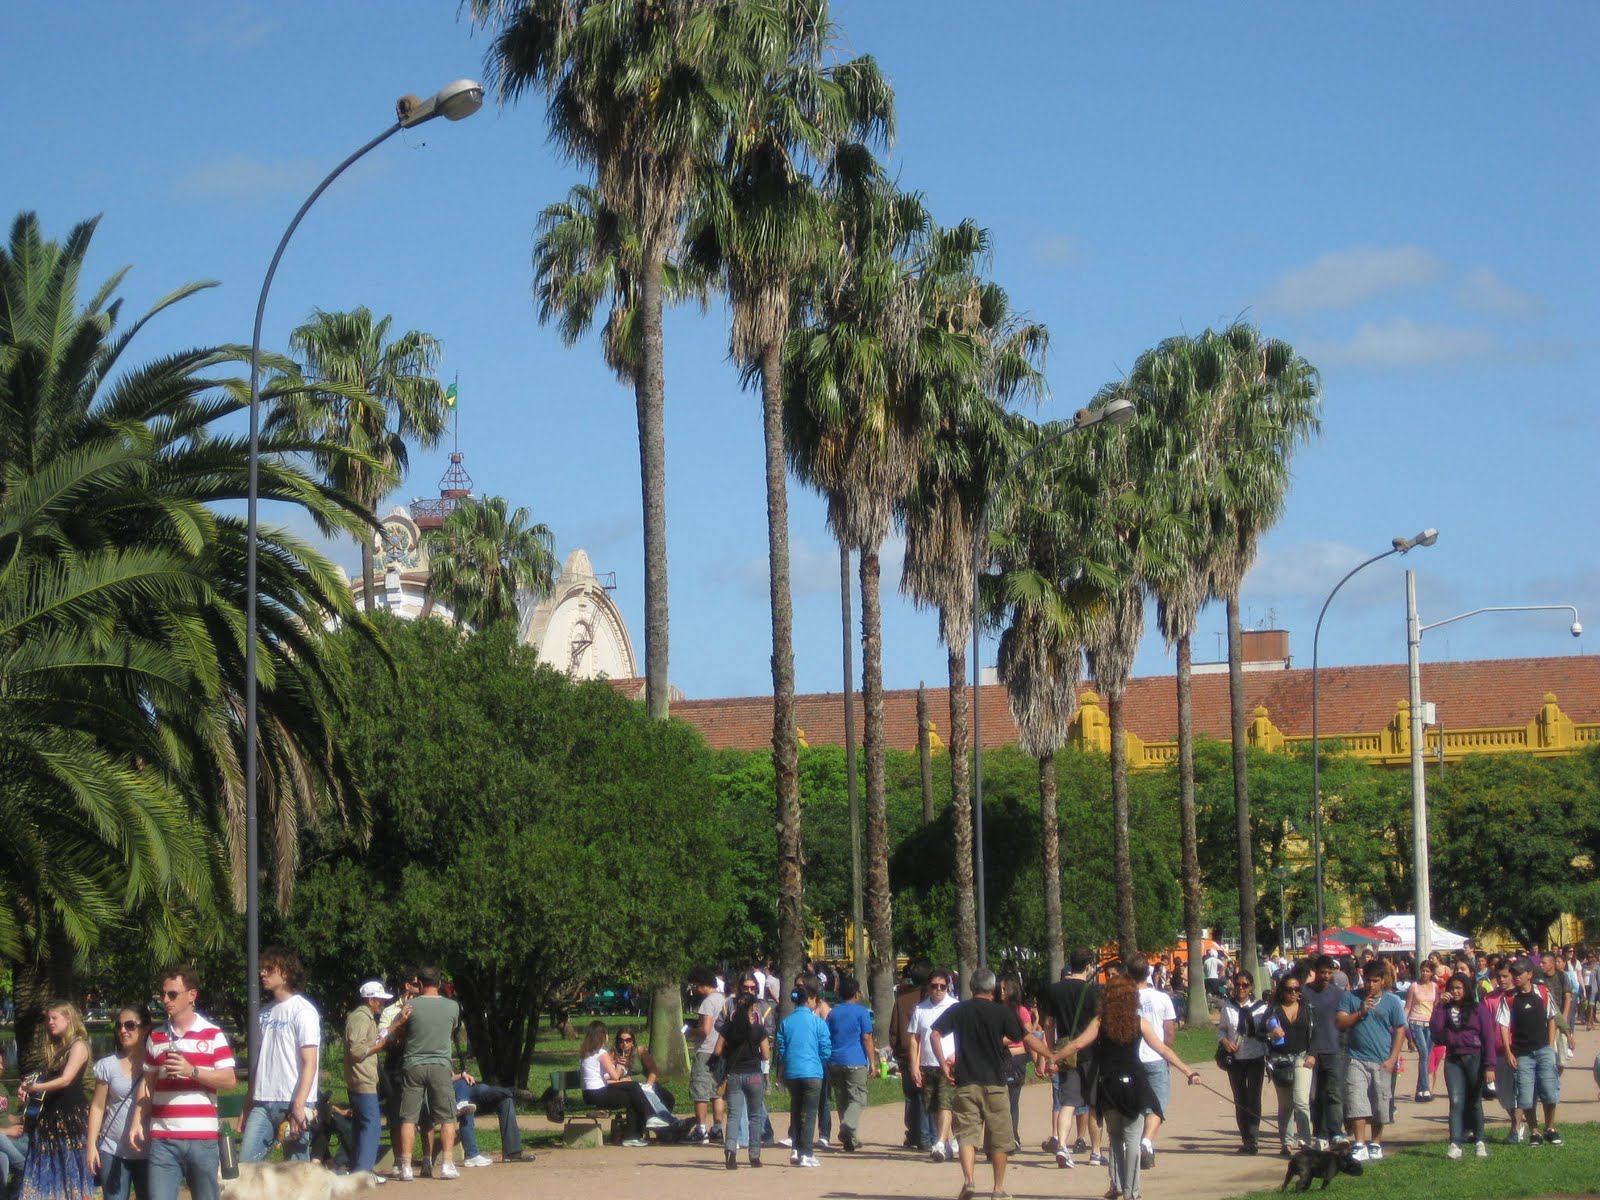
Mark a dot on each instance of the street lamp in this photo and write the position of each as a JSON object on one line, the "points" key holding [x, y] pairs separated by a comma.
{"points": [[1422, 902], [1400, 545], [1117, 412], [452, 102]]}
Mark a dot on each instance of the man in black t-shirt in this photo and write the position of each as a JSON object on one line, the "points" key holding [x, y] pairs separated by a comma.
{"points": [[981, 1029], [1065, 1010]]}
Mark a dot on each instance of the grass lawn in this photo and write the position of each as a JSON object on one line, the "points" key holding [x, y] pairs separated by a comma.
{"points": [[1569, 1169]]}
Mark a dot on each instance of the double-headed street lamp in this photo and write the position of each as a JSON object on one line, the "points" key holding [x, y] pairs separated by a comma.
{"points": [[452, 102], [1400, 545], [1422, 902], [1118, 412]]}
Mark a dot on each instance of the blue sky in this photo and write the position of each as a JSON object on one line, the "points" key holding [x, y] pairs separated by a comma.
{"points": [[1406, 193]]}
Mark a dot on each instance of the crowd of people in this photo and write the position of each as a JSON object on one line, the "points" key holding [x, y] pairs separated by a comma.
{"points": [[1330, 1036]]}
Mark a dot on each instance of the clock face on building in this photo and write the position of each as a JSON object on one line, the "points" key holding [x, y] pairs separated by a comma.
{"points": [[400, 545]]}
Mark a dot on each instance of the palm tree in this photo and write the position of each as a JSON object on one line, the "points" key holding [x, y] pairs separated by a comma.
{"points": [[962, 454], [761, 226], [851, 434], [1271, 400], [384, 395], [484, 558], [641, 94], [121, 598]]}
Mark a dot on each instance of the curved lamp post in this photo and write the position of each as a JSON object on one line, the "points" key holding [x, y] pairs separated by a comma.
{"points": [[1422, 895], [1118, 412], [1400, 546], [452, 102]]}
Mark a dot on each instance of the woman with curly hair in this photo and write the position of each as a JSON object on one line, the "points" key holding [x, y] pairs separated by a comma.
{"points": [[57, 1166], [1123, 1093]]}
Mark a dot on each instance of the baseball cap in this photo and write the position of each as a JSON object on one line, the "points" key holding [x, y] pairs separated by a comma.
{"points": [[373, 990]]}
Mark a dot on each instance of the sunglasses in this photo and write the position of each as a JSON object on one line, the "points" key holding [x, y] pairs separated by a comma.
{"points": [[173, 995], [1291, 991], [626, 1041], [128, 1025], [938, 987]]}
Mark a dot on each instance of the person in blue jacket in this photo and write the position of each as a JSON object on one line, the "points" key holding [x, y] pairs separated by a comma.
{"points": [[804, 1047]]}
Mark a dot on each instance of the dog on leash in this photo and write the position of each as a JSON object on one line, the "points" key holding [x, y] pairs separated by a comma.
{"points": [[294, 1181], [1306, 1165]]}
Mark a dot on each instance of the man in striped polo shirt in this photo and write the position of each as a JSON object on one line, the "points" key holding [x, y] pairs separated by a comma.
{"points": [[187, 1062]]}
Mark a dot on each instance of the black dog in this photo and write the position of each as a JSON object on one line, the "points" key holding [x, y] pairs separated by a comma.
{"points": [[1307, 1165]]}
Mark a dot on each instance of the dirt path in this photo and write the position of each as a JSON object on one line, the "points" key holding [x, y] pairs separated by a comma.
{"points": [[1196, 1159]]}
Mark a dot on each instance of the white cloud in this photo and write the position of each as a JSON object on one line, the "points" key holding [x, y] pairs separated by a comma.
{"points": [[1305, 569], [1481, 290], [235, 27], [1057, 250], [813, 571], [1345, 278], [1403, 342], [240, 175]]}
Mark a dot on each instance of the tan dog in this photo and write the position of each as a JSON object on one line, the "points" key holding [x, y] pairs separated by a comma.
{"points": [[294, 1181]]}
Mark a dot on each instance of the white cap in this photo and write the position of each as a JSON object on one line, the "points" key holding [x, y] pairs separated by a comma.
{"points": [[373, 990]]}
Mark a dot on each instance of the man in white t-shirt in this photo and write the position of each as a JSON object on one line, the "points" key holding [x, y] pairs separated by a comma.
{"points": [[927, 1071], [283, 1083], [704, 1088], [1156, 1007]]}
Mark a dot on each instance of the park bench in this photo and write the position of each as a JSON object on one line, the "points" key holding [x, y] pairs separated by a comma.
{"points": [[564, 1104]]}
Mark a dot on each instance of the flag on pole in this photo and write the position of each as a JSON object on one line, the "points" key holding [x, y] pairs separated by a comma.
{"points": [[450, 396]]}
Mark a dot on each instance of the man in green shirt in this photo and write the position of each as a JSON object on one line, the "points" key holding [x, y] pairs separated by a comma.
{"points": [[430, 1021]]}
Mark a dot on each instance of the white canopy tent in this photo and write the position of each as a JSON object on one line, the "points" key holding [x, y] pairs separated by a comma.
{"points": [[1405, 925]]}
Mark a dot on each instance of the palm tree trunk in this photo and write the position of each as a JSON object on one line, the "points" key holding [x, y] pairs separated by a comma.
{"points": [[1241, 791], [925, 754], [1050, 843], [369, 582], [880, 914], [1122, 852], [785, 748], [961, 817], [44, 977], [1198, 1014], [650, 398]]}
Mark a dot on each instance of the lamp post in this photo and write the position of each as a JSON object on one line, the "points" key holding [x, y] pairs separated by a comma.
{"points": [[453, 102], [1400, 545], [1422, 901], [1117, 412]]}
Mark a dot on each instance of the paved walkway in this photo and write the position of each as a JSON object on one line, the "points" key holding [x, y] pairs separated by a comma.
{"points": [[1196, 1159]]}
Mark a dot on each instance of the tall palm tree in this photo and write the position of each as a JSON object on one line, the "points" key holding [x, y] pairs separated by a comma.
{"points": [[484, 558], [851, 431], [1271, 402], [640, 93], [121, 600], [385, 395], [963, 453]]}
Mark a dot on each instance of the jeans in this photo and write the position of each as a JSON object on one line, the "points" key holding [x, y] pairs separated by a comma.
{"points": [[1122, 1150], [366, 1116], [1422, 1039], [1463, 1080], [12, 1156], [824, 1111], [1294, 1106], [261, 1131], [919, 1123], [804, 1096], [503, 1102], [747, 1113], [118, 1175], [1327, 1096], [849, 1095], [1245, 1078], [178, 1160]]}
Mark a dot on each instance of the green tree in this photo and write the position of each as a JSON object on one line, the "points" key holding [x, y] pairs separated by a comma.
{"points": [[385, 395], [533, 835], [484, 557]]}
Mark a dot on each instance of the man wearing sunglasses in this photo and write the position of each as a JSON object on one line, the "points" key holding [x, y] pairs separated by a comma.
{"points": [[927, 1069], [187, 1062]]}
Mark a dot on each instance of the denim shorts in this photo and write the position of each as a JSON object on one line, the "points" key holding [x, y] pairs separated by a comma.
{"points": [[1537, 1078]]}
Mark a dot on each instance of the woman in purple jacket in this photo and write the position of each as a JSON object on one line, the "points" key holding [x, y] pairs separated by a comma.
{"points": [[1467, 1031]]}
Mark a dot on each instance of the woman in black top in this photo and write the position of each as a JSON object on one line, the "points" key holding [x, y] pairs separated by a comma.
{"points": [[745, 1047], [1122, 1092], [56, 1167], [1291, 1062]]}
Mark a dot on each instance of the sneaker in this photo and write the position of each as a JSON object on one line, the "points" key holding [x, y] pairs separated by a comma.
{"points": [[1482, 1151], [697, 1135], [1050, 1145], [1534, 1139], [427, 1168], [1359, 1154], [1552, 1138], [794, 1159], [1453, 1153], [999, 1196], [478, 1160], [969, 1191], [786, 1143], [715, 1135], [657, 1123], [822, 1143], [466, 1108], [730, 1159], [937, 1153], [1064, 1160], [849, 1141], [755, 1160], [404, 1173], [1374, 1152], [1080, 1147], [447, 1170], [1147, 1154], [634, 1143], [1097, 1160], [810, 1160], [952, 1149], [517, 1156]]}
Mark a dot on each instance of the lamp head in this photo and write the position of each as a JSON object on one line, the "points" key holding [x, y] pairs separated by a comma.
{"points": [[1116, 412], [452, 102], [1577, 629], [1426, 538]]}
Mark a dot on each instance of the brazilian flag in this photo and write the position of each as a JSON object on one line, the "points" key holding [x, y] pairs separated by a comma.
{"points": [[450, 396]]}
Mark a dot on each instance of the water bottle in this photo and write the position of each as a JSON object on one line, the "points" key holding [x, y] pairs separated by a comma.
{"points": [[1275, 1032], [227, 1154]]}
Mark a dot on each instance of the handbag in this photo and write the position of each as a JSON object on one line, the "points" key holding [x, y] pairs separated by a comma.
{"points": [[1016, 1070], [1071, 1060], [1282, 1067], [1223, 1057]]}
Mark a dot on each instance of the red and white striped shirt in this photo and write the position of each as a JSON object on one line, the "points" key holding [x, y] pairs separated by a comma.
{"points": [[185, 1108]]}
